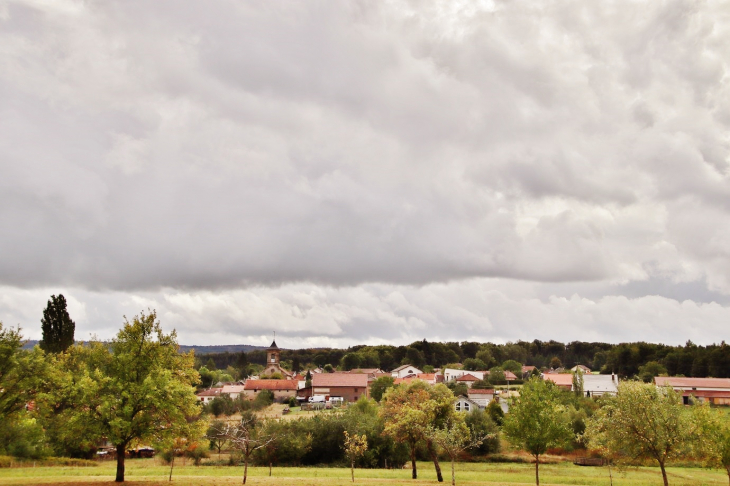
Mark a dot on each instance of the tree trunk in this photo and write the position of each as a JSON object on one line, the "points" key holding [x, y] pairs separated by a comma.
{"points": [[435, 459], [664, 474], [120, 463], [269, 468], [172, 462], [352, 470], [537, 469], [610, 475], [727, 468], [453, 473], [245, 468], [414, 473]]}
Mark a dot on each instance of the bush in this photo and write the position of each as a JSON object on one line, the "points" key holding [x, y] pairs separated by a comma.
{"points": [[263, 399]]}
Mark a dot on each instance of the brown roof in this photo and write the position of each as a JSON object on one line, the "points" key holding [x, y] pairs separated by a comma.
{"points": [[212, 392], [271, 385], [340, 379], [508, 375], [467, 377], [427, 376], [480, 391], [684, 382]]}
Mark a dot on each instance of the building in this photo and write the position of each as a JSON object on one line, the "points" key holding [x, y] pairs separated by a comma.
{"points": [[599, 385], [350, 386], [564, 381], [480, 397], [465, 404], [273, 365], [451, 374], [405, 370], [712, 390], [282, 389], [232, 391], [468, 379], [206, 396]]}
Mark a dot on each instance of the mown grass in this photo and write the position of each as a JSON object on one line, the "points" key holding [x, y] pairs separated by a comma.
{"points": [[151, 472]]}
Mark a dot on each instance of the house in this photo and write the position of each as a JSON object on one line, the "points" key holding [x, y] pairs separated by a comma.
{"points": [[232, 391], [206, 396], [467, 379], [712, 390], [465, 404], [451, 374], [405, 370], [599, 385], [282, 389], [564, 381], [429, 378], [480, 397], [367, 371], [350, 386], [527, 371]]}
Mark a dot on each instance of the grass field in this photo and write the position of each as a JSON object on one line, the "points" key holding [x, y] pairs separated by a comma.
{"points": [[150, 472]]}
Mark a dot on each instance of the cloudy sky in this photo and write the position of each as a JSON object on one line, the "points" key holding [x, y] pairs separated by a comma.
{"points": [[368, 172]]}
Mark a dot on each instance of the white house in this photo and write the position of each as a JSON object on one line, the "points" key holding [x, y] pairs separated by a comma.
{"points": [[599, 385], [405, 370], [465, 404], [451, 374]]}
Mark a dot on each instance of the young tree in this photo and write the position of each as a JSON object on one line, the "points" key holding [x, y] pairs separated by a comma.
{"points": [[641, 422], [355, 446], [537, 420], [218, 440], [57, 326], [409, 409], [138, 388], [246, 437], [454, 438], [714, 431]]}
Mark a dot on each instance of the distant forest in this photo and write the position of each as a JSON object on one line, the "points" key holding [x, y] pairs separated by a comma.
{"points": [[625, 359]]}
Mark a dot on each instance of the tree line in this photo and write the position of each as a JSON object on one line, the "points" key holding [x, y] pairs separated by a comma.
{"points": [[625, 359]]}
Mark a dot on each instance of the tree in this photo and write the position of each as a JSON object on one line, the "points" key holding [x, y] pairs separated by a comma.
{"points": [[474, 364], [513, 366], [578, 382], [409, 409], [21, 373], [380, 386], [218, 441], [355, 446], [641, 422], [497, 376], [453, 438], [245, 437], [714, 429], [650, 370], [58, 328], [537, 420], [139, 388]]}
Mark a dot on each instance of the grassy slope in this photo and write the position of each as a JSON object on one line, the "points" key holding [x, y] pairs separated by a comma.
{"points": [[150, 472]]}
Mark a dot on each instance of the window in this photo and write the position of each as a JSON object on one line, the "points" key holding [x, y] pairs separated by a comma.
{"points": [[466, 406], [458, 406]]}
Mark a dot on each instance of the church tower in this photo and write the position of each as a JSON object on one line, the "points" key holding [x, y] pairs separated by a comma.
{"points": [[273, 362]]}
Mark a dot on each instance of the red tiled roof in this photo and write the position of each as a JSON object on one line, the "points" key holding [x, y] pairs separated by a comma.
{"points": [[212, 392], [562, 379], [508, 375], [480, 391], [684, 382], [427, 376], [340, 379], [271, 385], [467, 377]]}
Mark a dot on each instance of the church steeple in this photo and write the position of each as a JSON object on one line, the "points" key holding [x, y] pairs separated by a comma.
{"points": [[273, 353]]}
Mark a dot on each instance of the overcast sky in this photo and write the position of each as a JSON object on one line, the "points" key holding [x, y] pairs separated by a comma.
{"points": [[368, 172]]}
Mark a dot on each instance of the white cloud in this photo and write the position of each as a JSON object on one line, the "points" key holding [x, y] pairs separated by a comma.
{"points": [[204, 151]]}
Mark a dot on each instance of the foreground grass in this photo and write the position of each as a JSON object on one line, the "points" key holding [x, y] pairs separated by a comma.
{"points": [[150, 472]]}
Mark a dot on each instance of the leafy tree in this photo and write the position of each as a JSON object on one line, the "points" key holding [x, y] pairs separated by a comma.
{"points": [[458, 388], [537, 420], [513, 366], [355, 446], [58, 328], [481, 425], [650, 370], [555, 363], [140, 388], [481, 385], [578, 383], [218, 441], [714, 430], [641, 422], [485, 356], [495, 412], [380, 386], [497, 376], [474, 364], [21, 373], [350, 361], [409, 409], [328, 368], [308, 380]]}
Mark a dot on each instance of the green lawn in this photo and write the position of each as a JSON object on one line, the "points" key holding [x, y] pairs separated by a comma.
{"points": [[150, 472]]}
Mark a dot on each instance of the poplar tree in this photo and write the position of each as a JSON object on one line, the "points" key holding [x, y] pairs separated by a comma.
{"points": [[57, 326]]}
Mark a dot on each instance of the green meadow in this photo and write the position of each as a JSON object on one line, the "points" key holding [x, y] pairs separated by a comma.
{"points": [[152, 472]]}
